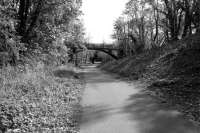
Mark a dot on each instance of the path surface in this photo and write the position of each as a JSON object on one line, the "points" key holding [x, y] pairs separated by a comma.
{"points": [[111, 105]]}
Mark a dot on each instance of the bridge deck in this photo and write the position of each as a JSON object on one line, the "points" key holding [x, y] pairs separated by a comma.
{"points": [[108, 49], [102, 46]]}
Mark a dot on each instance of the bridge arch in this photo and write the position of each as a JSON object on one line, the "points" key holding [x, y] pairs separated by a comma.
{"points": [[107, 51]]}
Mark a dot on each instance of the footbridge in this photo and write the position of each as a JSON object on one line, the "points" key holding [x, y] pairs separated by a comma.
{"points": [[109, 49]]}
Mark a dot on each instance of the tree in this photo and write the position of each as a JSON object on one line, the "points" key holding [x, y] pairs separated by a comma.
{"points": [[139, 28], [39, 24], [178, 13], [147, 24]]}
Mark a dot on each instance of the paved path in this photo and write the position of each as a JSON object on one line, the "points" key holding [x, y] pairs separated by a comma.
{"points": [[111, 105]]}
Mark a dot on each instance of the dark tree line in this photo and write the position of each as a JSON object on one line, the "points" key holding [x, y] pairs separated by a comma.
{"points": [[151, 23]]}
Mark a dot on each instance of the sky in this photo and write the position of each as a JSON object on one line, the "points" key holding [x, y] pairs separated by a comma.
{"points": [[99, 17]]}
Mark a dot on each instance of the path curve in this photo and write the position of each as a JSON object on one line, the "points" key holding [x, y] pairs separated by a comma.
{"points": [[111, 105]]}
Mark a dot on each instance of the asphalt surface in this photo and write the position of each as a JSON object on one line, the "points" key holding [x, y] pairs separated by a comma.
{"points": [[112, 105]]}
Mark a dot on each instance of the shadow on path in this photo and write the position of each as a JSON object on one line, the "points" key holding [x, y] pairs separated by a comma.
{"points": [[155, 117], [111, 105], [93, 114]]}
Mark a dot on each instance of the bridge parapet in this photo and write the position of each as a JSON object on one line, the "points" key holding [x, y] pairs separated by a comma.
{"points": [[101, 46], [109, 49]]}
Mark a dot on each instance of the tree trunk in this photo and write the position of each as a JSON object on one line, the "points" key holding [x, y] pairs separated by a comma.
{"points": [[187, 19], [22, 23], [34, 19]]}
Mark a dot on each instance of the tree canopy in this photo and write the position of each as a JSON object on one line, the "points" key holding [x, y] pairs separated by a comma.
{"points": [[151, 23], [36, 26]]}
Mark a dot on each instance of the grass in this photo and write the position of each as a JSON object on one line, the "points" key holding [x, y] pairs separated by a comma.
{"points": [[132, 67], [172, 74], [38, 101]]}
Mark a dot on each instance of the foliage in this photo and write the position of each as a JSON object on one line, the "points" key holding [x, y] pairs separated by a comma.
{"points": [[34, 32], [37, 101], [133, 66], [147, 24], [171, 74], [36, 27]]}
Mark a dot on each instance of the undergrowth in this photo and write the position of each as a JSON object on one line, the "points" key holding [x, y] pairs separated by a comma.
{"points": [[36, 101], [171, 73]]}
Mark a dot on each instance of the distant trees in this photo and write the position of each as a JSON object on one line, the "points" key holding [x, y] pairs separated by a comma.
{"points": [[150, 23], [40, 26], [182, 17]]}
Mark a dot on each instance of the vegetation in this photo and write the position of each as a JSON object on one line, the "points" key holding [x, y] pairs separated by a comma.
{"points": [[38, 101], [36, 36], [147, 24], [38, 28], [159, 43]]}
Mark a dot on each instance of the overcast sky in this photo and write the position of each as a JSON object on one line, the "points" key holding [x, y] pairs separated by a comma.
{"points": [[99, 16]]}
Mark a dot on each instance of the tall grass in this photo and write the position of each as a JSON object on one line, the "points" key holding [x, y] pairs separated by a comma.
{"points": [[34, 100]]}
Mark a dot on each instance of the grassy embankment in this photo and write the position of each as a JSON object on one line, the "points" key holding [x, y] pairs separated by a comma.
{"points": [[172, 74], [40, 99]]}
